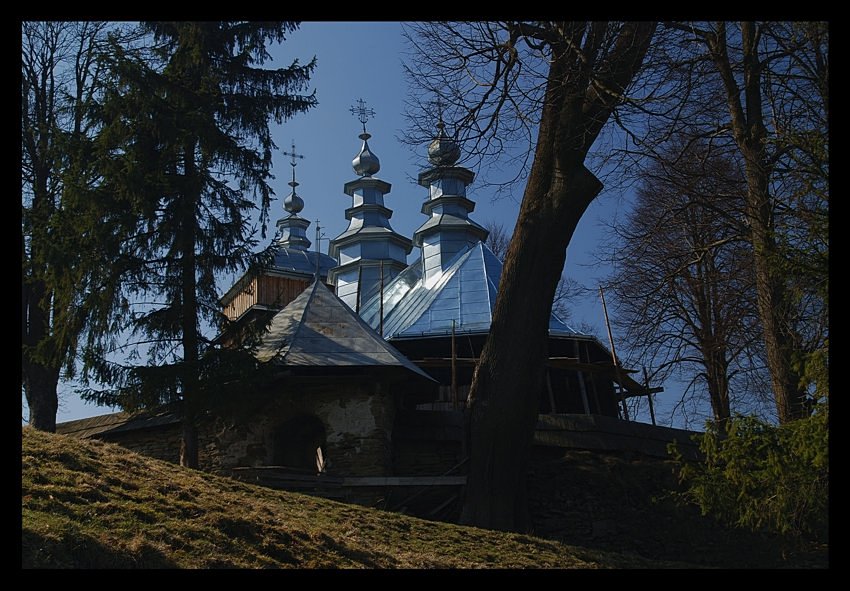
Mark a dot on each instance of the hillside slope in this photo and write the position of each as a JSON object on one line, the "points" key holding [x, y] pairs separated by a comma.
{"points": [[88, 504]]}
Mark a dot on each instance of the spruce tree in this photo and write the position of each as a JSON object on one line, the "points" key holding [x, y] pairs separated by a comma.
{"points": [[186, 147]]}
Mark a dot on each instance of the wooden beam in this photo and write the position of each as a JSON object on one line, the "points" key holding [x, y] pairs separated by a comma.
{"points": [[454, 368], [581, 386], [404, 480], [551, 394]]}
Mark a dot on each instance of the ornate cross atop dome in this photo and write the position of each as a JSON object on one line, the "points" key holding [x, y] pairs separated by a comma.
{"points": [[366, 163], [293, 203]]}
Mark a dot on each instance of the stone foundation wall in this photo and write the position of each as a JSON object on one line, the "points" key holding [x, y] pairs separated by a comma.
{"points": [[162, 443], [357, 421]]}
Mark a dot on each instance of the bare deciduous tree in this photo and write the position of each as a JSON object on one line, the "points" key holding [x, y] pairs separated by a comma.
{"points": [[772, 80], [565, 78], [59, 78], [683, 279]]}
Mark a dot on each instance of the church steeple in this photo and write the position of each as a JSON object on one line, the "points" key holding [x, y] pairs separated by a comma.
{"points": [[293, 229], [448, 231], [369, 244]]}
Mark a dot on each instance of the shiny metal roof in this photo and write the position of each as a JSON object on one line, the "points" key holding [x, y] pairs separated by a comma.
{"points": [[465, 292], [317, 329], [301, 262]]}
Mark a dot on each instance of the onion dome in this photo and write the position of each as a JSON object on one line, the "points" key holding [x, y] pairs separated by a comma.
{"points": [[443, 150], [365, 163], [293, 203]]}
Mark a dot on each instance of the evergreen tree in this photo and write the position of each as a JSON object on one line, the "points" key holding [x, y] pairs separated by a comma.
{"points": [[186, 147]]}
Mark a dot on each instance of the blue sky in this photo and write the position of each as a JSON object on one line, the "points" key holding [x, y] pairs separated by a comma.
{"points": [[364, 59]]}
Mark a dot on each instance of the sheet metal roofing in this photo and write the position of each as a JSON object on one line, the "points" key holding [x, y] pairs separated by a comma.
{"points": [[465, 292], [301, 262], [317, 329]]}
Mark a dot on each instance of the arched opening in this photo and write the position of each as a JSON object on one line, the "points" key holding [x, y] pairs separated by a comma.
{"points": [[299, 444]]}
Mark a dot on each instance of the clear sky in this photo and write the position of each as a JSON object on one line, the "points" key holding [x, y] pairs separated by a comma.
{"points": [[364, 60]]}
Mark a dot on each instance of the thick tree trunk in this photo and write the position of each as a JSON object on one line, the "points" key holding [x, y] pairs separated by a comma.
{"points": [[504, 396], [773, 298], [774, 308], [40, 386], [40, 380], [39, 376]]}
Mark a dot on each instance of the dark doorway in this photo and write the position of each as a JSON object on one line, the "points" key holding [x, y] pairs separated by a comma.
{"points": [[299, 444]]}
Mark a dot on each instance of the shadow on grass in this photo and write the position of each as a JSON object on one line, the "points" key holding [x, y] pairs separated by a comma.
{"points": [[40, 551]]}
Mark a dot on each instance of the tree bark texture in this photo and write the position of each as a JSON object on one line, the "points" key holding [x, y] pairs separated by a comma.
{"points": [[40, 369]]}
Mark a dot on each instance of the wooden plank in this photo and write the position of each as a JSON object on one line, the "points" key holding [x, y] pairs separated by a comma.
{"points": [[278, 476], [581, 386], [404, 481], [551, 393]]}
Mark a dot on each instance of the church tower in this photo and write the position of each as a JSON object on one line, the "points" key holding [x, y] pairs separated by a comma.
{"points": [[291, 268], [369, 251], [448, 231]]}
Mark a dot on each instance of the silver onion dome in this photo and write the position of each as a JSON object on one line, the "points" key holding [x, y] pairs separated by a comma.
{"points": [[443, 150], [293, 203], [365, 163]]}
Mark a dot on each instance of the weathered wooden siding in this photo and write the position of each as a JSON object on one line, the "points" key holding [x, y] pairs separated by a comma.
{"points": [[266, 290], [242, 301]]}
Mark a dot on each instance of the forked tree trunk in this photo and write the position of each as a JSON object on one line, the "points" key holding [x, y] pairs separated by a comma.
{"points": [[504, 397]]}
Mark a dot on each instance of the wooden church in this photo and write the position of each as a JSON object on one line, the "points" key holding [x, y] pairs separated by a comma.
{"points": [[374, 357]]}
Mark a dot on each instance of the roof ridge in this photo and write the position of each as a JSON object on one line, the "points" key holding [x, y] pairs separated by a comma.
{"points": [[286, 343]]}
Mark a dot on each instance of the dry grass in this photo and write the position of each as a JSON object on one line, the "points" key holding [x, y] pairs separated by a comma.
{"points": [[88, 504]]}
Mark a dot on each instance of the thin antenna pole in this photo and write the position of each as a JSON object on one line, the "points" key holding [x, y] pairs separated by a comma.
{"points": [[357, 295], [454, 368], [614, 357]]}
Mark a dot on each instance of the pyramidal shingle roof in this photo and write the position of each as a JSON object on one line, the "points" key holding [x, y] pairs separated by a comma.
{"points": [[317, 329]]}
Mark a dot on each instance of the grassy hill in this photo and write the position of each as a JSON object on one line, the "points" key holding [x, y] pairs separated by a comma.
{"points": [[88, 504]]}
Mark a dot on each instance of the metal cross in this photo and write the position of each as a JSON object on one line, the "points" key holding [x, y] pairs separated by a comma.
{"points": [[363, 112], [439, 109], [293, 155]]}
